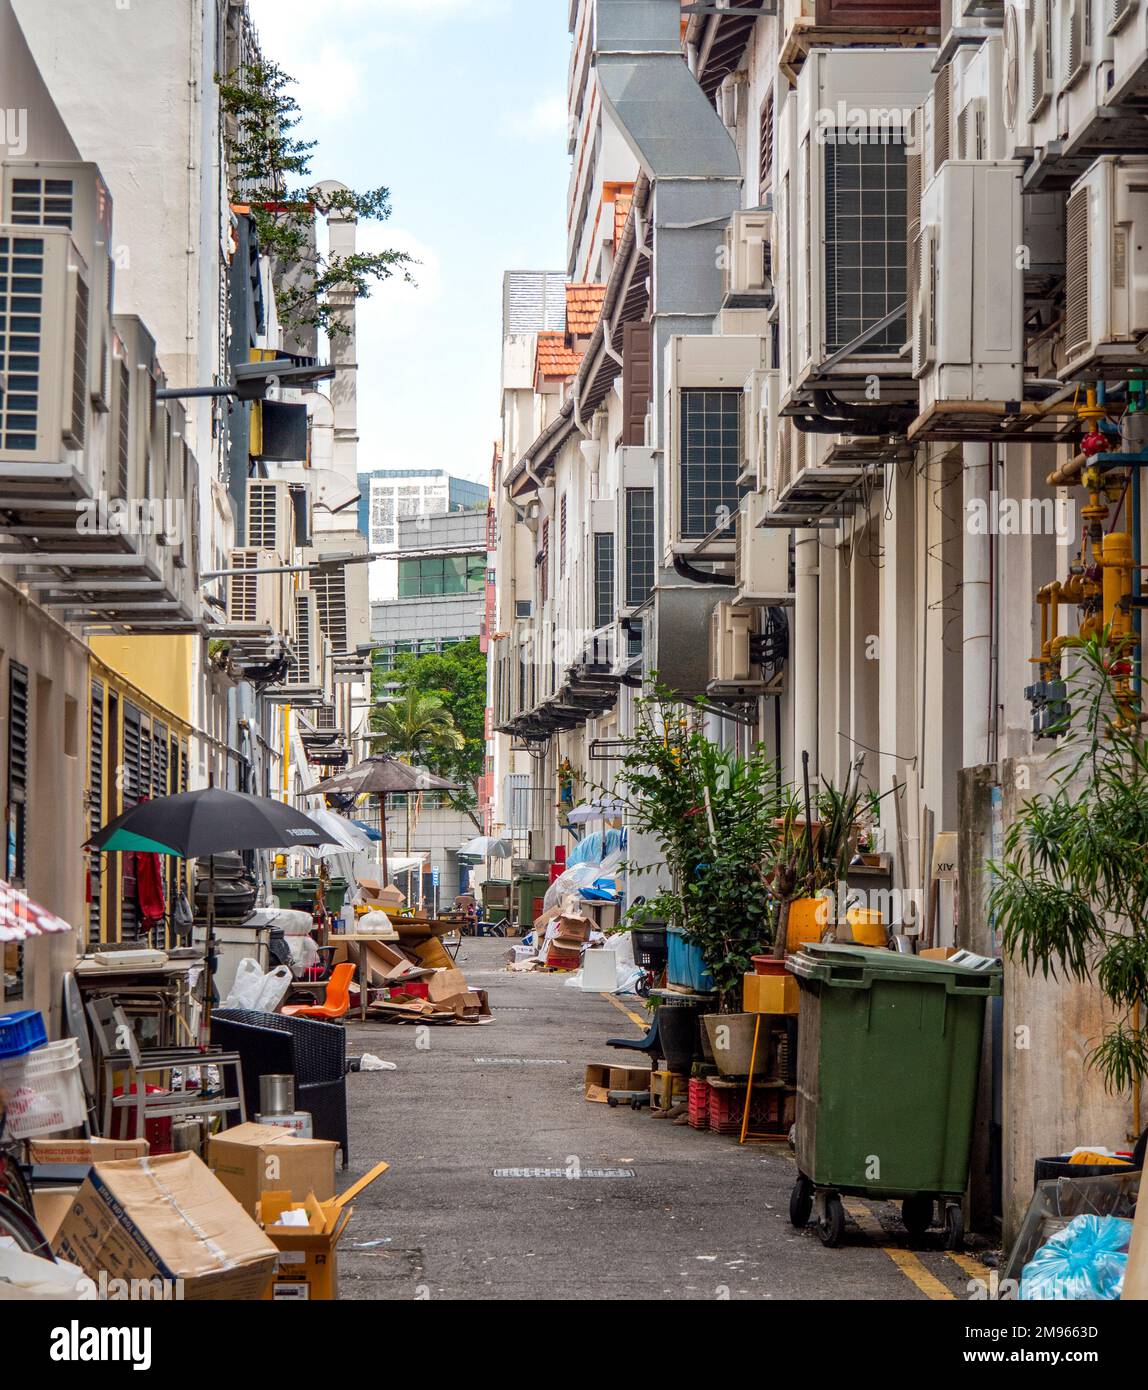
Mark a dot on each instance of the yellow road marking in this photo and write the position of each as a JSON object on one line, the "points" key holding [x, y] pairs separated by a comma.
{"points": [[642, 1023], [908, 1263], [972, 1266]]}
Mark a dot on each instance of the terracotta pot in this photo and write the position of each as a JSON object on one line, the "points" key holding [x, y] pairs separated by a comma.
{"points": [[768, 965]]}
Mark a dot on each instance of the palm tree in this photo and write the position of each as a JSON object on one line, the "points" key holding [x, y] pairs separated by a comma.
{"points": [[416, 726]]}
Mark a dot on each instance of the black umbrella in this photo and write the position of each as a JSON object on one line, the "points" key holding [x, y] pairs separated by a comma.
{"points": [[201, 824], [195, 825]]}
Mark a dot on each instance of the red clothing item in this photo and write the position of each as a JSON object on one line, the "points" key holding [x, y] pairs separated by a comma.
{"points": [[150, 896]]}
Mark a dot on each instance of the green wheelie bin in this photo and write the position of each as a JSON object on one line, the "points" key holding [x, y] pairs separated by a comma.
{"points": [[888, 1067]]}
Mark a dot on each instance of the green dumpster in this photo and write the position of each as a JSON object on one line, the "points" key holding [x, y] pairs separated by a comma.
{"points": [[888, 1067], [289, 891], [529, 890]]}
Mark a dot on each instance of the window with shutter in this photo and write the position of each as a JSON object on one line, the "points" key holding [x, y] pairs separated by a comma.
{"points": [[95, 804], [765, 154], [19, 775], [562, 537]]}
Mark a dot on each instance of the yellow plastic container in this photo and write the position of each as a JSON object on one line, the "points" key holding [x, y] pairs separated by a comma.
{"points": [[770, 994], [868, 926], [808, 918]]}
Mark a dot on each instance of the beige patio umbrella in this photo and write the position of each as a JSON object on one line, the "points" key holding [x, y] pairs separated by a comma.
{"points": [[382, 775]]}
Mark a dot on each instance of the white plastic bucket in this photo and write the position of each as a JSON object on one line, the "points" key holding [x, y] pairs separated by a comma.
{"points": [[43, 1090], [600, 970]]}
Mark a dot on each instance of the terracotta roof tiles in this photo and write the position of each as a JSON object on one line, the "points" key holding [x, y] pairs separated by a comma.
{"points": [[583, 308]]}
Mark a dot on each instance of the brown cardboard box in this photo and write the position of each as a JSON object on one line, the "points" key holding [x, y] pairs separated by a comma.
{"points": [[444, 984], [432, 954], [372, 892], [604, 1077], [80, 1151], [50, 1205], [574, 927], [938, 953], [306, 1267], [250, 1159], [168, 1218]]}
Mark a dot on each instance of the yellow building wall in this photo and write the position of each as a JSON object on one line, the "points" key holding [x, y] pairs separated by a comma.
{"points": [[160, 666]]}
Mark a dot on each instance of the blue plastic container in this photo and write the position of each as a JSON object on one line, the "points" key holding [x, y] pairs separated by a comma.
{"points": [[22, 1032], [686, 966]]}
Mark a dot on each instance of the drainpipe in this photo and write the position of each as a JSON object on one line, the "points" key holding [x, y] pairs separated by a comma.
{"points": [[976, 593], [804, 658]]}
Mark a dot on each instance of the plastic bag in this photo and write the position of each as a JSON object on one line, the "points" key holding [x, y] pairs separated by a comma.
{"points": [[273, 989], [1084, 1261], [30, 1278], [375, 921], [245, 987], [252, 989]]}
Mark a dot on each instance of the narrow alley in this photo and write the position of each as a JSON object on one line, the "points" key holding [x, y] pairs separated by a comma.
{"points": [[695, 1216]]}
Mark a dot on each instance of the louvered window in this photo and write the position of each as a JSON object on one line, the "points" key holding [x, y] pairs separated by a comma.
{"points": [[123, 428], [543, 562], [711, 425], [19, 774], [131, 788], [865, 230], [562, 537], [21, 323], [640, 559], [95, 804], [765, 153], [80, 366]]}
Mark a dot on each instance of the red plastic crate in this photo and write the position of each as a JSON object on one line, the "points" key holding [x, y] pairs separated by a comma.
{"points": [[699, 1102], [727, 1106]]}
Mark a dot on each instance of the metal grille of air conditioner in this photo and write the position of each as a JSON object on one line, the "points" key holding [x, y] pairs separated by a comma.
{"points": [[21, 339], [123, 427], [942, 109], [971, 130], [301, 669], [1117, 9], [243, 589], [40, 202], [1078, 38], [95, 806], [1076, 318], [80, 367], [329, 585], [263, 501], [1039, 55]]}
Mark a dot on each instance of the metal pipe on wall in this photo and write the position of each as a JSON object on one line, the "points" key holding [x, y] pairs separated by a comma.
{"points": [[804, 659], [976, 607]]}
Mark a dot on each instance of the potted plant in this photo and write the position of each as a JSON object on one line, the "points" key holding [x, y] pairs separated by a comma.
{"points": [[1071, 892], [714, 817]]}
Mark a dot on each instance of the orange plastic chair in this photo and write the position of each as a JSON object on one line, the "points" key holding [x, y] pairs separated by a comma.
{"points": [[336, 1001]]}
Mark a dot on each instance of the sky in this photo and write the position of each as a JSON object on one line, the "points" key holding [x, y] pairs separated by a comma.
{"points": [[458, 107]]}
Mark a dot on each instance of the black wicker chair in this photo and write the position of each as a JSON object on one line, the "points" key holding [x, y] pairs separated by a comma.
{"points": [[314, 1053]]}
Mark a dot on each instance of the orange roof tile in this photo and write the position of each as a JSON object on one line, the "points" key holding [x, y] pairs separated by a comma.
{"points": [[621, 212], [583, 308], [555, 361]]}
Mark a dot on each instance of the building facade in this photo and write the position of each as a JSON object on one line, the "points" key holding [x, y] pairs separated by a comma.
{"points": [[816, 465]]}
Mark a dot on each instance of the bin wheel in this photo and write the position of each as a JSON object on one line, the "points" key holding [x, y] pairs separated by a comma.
{"points": [[831, 1224], [954, 1226], [801, 1203], [917, 1213], [612, 1102]]}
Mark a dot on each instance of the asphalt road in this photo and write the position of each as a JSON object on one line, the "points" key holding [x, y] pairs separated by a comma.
{"points": [[699, 1217]]}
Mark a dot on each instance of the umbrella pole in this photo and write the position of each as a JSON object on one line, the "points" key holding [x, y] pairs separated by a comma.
{"points": [[383, 832], [210, 952]]}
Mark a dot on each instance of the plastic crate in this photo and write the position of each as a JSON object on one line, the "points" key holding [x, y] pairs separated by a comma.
{"points": [[21, 1032], [43, 1090], [769, 1110], [686, 966], [699, 1101]]}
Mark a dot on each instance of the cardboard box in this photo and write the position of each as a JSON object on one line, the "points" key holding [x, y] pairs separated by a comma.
{"points": [[252, 1158], [373, 894], [604, 1077], [770, 994], [938, 953], [166, 1218], [432, 954], [75, 1152], [574, 927], [50, 1205], [445, 984], [306, 1268]]}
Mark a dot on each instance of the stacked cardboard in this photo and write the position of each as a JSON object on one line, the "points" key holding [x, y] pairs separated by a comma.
{"points": [[448, 997], [563, 949]]}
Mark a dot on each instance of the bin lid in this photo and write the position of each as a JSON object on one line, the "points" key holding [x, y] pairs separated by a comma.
{"points": [[859, 965]]}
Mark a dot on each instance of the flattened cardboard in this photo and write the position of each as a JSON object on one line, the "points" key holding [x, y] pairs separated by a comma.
{"points": [[444, 984], [169, 1218], [248, 1159]]}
